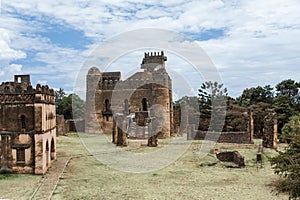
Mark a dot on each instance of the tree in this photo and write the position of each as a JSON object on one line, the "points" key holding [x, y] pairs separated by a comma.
{"points": [[287, 163], [72, 107], [59, 95], [251, 96], [192, 102], [288, 87], [291, 128], [212, 98], [286, 103], [209, 90]]}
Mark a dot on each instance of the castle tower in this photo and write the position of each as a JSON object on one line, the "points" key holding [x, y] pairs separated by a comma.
{"points": [[143, 91], [27, 126], [154, 61], [93, 84]]}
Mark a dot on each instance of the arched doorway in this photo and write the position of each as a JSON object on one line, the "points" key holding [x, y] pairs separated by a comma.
{"points": [[47, 154], [144, 104], [52, 148]]}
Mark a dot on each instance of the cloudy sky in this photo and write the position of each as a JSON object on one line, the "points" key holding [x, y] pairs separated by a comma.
{"points": [[251, 43]]}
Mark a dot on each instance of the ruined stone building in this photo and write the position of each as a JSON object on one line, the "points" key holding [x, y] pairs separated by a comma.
{"points": [[146, 98], [149, 90], [27, 127]]}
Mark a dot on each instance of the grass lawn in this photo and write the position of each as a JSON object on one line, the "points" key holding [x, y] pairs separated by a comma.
{"points": [[187, 178], [18, 186]]}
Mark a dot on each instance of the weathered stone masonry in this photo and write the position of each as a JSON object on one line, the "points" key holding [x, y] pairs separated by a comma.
{"points": [[148, 90], [27, 127]]}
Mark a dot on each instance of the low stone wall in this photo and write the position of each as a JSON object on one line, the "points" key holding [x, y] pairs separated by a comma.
{"points": [[242, 137], [60, 123], [74, 125], [70, 125]]}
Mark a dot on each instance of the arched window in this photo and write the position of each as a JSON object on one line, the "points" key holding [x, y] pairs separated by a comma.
{"points": [[47, 146], [23, 122], [144, 104], [106, 105]]}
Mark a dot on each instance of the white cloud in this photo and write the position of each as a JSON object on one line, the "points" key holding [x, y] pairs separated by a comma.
{"points": [[15, 68], [8, 71], [261, 41], [6, 52]]}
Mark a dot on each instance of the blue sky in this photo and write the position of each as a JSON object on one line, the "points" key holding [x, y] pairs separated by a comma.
{"points": [[251, 43]]}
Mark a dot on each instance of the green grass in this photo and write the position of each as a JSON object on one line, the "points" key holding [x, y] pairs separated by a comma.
{"points": [[187, 178], [18, 186]]}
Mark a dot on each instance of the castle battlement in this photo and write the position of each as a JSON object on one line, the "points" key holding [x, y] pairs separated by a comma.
{"points": [[21, 90], [27, 126], [154, 61]]}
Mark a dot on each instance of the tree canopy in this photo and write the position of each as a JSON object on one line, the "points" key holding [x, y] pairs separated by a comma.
{"points": [[285, 100], [287, 163], [254, 95], [71, 106]]}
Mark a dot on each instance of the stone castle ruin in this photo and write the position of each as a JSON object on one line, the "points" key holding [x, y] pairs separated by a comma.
{"points": [[27, 127], [142, 107], [146, 93]]}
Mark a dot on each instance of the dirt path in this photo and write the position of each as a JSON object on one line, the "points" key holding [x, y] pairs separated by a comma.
{"points": [[50, 180]]}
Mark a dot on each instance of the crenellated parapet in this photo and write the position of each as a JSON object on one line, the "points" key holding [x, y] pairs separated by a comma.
{"points": [[21, 90], [154, 62], [110, 79], [154, 57]]}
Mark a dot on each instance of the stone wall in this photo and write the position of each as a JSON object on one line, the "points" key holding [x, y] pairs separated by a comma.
{"points": [[242, 137], [70, 125], [108, 94], [74, 125], [27, 126], [60, 123], [270, 130]]}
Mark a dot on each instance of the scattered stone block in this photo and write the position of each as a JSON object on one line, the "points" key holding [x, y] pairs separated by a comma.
{"points": [[231, 156]]}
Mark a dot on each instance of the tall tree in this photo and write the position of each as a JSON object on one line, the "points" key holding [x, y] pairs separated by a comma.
{"points": [[287, 163], [72, 107], [288, 87], [192, 102], [59, 95], [210, 91], [212, 97], [287, 102], [251, 96]]}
